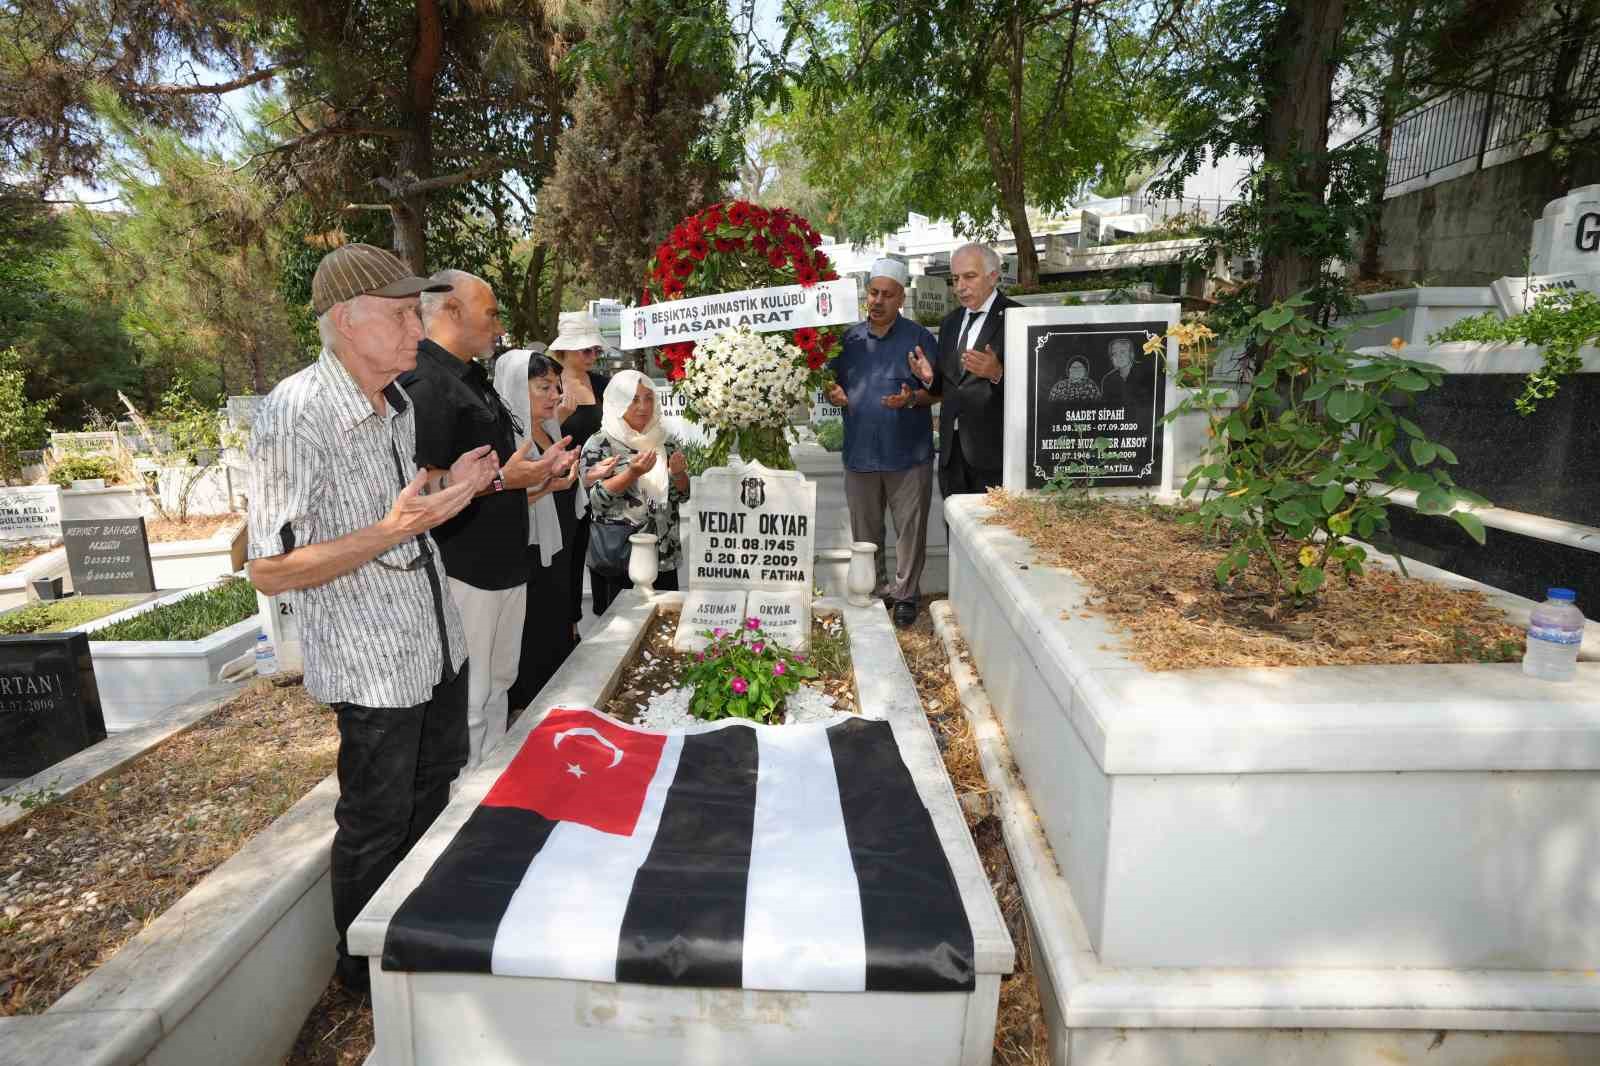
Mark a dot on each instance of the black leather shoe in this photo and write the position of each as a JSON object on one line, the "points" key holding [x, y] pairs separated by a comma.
{"points": [[905, 613]]}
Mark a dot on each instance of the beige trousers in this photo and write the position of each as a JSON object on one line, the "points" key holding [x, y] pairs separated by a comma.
{"points": [[906, 494]]}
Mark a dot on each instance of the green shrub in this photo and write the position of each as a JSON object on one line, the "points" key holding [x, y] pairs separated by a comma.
{"points": [[57, 616], [1559, 322], [743, 674], [830, 434], [197, 616], [83, 468], [696, 456]]}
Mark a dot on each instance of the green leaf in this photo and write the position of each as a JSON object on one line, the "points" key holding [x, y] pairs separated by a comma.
{"points": [[1410, 427], [1422, 452], [1344, 405], [1234, 426], [1275, 317], [1471, 523], [1446, 454], [1318, 390], [1434, 501], [1310, 580], [1410, 381], [1291, 513], [1332, 497]]}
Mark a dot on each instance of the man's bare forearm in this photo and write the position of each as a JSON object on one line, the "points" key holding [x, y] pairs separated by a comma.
{"points": [[317, 564]]}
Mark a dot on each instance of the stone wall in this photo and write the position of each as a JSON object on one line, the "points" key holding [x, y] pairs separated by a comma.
{"points": [[1472, 229]]}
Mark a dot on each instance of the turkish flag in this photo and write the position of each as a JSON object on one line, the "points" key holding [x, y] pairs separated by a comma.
{"points": [[579, 766]]}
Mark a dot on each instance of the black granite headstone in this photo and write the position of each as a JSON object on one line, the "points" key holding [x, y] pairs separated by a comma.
{"points": [[108, 555], [49, 703], [1095, 403]]}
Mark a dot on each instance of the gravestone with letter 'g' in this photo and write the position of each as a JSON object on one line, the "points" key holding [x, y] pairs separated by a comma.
{"points": [[784, 616], [1564, 255], [31, 515], [1085, 400], [49, 704], [707, 610], [753, 528], [108, 555]]}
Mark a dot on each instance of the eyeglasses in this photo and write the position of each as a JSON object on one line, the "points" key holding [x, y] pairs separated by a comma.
{"points": [[415, 564]]}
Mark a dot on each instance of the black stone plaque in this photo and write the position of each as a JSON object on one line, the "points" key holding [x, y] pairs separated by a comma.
{"points": [[49, 704], [108, 555], [1096, 401]]}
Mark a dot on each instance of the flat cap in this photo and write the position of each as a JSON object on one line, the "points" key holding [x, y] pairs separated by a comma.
{"points": [[353, 270]]}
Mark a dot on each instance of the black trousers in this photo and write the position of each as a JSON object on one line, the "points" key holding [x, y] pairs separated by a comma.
{"points": [[576, 552], [958, 476], [546, 628], [395, 769], [606, 588]]}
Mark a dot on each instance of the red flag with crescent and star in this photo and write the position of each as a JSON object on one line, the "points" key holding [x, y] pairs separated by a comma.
{"points": [[581, 767]]}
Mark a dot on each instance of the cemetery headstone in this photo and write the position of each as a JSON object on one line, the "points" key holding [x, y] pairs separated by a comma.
{"points": [[1093, 402], [753, 528], [707, 609], [1564, 254], [822, 410], [784, 616], [930, 298], [1089, 230], [49, 703], [108, 555], [608, 313], [31, 514]]}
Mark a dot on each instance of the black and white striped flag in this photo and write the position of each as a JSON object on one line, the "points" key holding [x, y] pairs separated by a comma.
{"points": [[794, 858]]}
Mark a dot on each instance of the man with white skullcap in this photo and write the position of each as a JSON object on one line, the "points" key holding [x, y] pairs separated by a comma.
{"points": [[888, 434]]}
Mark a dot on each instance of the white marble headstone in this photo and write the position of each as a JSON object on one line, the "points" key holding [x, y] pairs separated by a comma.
{"points": [[1566, 238], [784, 616], [753, 528], [31, 514], [706, 609]]}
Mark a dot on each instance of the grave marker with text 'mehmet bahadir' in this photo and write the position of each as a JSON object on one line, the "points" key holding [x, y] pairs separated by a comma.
{"points": [[108, 555]]}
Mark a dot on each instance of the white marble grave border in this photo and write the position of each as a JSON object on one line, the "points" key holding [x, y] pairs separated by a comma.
{"points": [[641, 1024]]}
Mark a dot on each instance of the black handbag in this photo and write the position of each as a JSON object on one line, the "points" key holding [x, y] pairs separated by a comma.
{"points": [[609, 548]]}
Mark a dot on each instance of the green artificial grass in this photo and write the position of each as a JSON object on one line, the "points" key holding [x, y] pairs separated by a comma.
{"points": [[58, 616], [190, 619]]}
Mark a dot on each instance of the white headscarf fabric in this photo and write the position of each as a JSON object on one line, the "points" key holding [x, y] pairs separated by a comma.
{"points": [[511, 382], [618, 396]]}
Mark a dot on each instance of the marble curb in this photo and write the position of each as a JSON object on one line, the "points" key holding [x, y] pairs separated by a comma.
{"points": [[16, 588], [1483, 357], [1539, 527], [592, 672], [226, 974], [1471, 717], [112, 755], [1080, 993]]}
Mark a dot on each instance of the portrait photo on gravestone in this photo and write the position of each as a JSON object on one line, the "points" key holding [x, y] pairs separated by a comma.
{"points": [[1095, 404]]}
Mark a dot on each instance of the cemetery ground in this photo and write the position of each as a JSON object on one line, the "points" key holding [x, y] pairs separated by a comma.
{"points": [[81, 876], [339, 1031]]}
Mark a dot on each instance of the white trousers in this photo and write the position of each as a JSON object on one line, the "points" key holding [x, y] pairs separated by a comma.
{"points": [[492, 619]]}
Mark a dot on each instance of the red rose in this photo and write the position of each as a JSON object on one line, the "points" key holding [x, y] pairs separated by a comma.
{"points": [[738, 212], [805, 275], [683, 267], [699, 249], [806, 337], [776, 258]]}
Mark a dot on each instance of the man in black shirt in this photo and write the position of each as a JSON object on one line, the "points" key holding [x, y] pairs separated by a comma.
{"points": [[485, 546]]}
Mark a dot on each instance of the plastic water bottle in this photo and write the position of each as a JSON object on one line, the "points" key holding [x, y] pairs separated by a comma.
{"points": [[266, 657], [1555, 630]]}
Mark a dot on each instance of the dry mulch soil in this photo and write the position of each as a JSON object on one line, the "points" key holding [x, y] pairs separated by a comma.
{"points": [[1020, 1037], [654, 669], [83, 875], [1154, 579], [13, 557], [195, 527]]}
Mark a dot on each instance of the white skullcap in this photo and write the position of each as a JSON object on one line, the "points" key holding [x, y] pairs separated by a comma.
{"points": [[892, 269]]}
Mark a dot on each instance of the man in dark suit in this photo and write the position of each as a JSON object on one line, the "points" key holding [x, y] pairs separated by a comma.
{"points": [[967, 374]]}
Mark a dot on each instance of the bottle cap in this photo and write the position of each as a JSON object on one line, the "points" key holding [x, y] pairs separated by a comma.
{"points": [[1562, 594]]}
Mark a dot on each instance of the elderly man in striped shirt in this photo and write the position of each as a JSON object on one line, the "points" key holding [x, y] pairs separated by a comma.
{"points": [[339, 517]]}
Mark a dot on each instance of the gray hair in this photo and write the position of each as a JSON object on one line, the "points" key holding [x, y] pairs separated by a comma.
{"points": [[433, 302], [326, 330], [990, 257]]}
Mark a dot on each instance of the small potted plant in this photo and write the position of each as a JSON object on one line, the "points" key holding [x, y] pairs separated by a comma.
{"points": [[743, 674]]}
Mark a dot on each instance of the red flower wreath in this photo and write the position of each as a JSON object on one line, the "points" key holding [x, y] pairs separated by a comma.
{"points": [[737, 245]]}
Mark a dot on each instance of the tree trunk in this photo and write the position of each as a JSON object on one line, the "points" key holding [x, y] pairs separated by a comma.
{"points": [[533, 325], [1394, 87], [415, 161], [1006, 159], [1299, 82]]}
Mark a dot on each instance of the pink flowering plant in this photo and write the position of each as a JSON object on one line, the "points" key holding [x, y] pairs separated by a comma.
{"points": [[743, 674]]}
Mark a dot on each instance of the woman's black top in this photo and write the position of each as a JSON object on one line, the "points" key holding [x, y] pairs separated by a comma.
{"points": [[585, 421]]}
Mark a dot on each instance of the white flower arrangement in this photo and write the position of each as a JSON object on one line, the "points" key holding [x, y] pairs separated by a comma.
{"points": [[741, 379]]}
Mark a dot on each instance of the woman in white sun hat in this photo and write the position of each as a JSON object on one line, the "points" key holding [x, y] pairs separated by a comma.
{"points": [[577, 345]]}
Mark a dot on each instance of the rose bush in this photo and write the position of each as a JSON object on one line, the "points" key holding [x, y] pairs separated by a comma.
{"points": [[743, 674]]}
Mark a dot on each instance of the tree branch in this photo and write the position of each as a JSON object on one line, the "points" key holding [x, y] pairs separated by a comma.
{"points": [[398, 192], [179, 89]]}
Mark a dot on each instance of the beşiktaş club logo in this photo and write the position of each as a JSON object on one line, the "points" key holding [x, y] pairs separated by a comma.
{"points": [[752, 492], [638, 327], [824, 302]]}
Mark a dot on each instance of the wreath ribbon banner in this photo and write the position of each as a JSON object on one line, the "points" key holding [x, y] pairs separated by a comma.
{"points": [[768, 310]]}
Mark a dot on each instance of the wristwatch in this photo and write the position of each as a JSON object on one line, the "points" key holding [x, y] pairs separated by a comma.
{"points": [[498, 484]]}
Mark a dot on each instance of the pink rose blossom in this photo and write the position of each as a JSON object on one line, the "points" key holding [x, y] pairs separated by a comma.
{"points": [[700, 658], [740, 686], [752, 623], [778, 669], [759, 646], [719, 632]]}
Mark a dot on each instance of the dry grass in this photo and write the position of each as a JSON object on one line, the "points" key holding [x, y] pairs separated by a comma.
{"points": [[1020, 1037], [1154, 579], [654, 669], [196, 527], [82, 876], [13, 556], [337, 1032]]}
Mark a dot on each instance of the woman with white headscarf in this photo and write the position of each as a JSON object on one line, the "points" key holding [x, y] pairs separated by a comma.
{"points": [[645, 482], [530, 386]]}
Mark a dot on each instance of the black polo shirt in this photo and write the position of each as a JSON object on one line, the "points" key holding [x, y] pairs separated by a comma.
{"points": [[486, 545]]}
